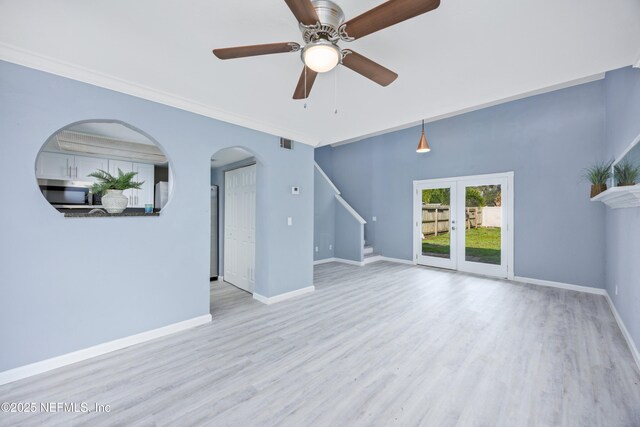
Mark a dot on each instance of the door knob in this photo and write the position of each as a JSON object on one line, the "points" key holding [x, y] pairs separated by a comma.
{"points": [[453, 228]]}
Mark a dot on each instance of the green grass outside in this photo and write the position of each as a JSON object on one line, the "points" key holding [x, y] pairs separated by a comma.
{"points": [[482, 245]]}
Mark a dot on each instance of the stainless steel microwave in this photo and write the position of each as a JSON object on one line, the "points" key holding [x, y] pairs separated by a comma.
{"points": [[67, 193]]}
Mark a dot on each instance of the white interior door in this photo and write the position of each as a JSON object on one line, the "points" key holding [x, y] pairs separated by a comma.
{"points": [[240, 227], [465, 224]]}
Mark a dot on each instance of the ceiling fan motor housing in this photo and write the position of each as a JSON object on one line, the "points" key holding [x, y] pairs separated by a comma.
{"points": [[329, 13]]}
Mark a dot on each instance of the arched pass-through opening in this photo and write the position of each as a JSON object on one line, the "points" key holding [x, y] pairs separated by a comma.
{"points": [[75, 165], [235, 172]]}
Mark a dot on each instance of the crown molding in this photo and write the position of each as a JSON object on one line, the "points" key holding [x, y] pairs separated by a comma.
{"points": [[51, 65]]}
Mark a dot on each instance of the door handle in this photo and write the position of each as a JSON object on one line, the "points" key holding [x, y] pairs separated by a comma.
{"points": [[453, 228]]}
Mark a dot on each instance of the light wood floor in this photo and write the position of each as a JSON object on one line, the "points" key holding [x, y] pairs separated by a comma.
{"points": [[385, 344]]}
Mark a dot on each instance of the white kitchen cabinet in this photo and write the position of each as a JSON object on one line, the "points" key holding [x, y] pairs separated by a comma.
{"points": [[86, 165], [55, 166], [68, 167], [145, 172], [146, 192]]}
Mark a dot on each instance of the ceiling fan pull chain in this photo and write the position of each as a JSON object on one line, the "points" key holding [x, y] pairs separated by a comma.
{"points": [[305, 87], [335, 91]]}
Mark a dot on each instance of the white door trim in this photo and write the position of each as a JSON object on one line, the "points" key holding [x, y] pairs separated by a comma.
{"points": [[508, 209]]}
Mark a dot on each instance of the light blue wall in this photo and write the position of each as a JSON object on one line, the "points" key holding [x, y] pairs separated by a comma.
{"points": [[547, 140], [67, 284], [350, 167], [349, 235], [623, 109], [323, 157], [623, 225], [324, 207]]}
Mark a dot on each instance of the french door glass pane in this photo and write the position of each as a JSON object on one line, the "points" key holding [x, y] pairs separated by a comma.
{"points": [[436, 222], [483, 222]]}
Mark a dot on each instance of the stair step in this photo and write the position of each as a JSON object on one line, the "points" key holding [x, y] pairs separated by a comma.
{"points": [[368, 250]]}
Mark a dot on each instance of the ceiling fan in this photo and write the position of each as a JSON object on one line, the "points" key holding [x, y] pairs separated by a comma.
{"points": [[323, 25]]}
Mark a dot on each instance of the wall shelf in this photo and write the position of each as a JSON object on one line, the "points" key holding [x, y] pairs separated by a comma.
{"points": [[620, 197]]}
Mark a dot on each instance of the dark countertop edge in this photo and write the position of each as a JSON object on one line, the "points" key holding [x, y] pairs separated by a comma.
{"points": [[123, 214]]}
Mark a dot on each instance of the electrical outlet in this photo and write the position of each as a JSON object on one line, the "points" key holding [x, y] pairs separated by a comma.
{"points": [[317, 249], [616, 289], [374, 218], [330, 247]]}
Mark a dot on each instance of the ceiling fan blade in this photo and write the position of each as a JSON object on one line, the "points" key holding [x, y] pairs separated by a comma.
{"points": [[387, 14], [255, 50], [300, 90], [303, 11], [371, 70]]}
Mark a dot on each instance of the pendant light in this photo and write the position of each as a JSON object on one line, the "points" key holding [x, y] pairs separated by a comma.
{"points": [[423, 146]]}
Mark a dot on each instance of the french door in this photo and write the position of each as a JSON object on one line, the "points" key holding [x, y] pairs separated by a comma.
{"points": [[240, 227], [465, 224]]}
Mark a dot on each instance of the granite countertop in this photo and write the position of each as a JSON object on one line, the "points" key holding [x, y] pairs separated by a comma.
{"points": [[102, 215]]}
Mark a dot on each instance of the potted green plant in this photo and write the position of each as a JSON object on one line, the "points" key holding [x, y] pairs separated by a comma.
{"points": [[598, 175], [626, 174], [111, 188]]}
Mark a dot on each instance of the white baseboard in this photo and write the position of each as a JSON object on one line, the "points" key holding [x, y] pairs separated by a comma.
{"points": [[625, 332], [366, 261], [98, 350], [369, 260], [560, 285], [397, 260], [342, 260], [348, 261], [324, 261], [282, 297]]}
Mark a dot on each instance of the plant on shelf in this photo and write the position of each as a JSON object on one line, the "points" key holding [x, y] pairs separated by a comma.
{"points": [[626, 174], [111, 188], [598, 175]]}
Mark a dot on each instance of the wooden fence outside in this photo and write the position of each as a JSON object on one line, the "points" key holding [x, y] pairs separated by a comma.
{"points": [[436, 219]]}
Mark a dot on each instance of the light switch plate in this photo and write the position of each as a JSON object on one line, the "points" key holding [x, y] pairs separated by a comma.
{"points": [[289, 220]]}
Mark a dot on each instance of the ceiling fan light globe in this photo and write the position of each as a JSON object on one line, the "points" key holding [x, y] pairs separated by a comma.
{"points": [[321, 57]]}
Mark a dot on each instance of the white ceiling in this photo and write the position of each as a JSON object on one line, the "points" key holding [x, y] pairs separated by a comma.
{"points": [[465, 54]]}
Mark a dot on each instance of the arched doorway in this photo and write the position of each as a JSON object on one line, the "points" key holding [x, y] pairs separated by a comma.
{"points": [[233, 217]]}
